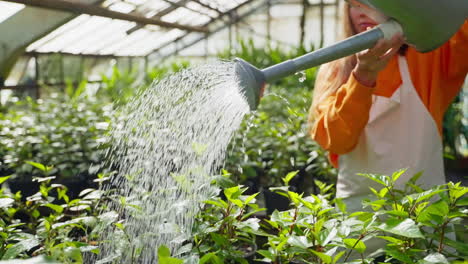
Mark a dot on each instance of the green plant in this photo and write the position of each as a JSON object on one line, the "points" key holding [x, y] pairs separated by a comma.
{"points": [[225, 230], [120, 86], [49, 222], [412, 226], [68, 131]]}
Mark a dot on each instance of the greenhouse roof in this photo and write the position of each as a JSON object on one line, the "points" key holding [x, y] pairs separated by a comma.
{"points": [[126, 27]]}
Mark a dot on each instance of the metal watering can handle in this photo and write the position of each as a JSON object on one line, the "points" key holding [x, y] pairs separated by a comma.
{"points": [[251, 80], [347, 47]]}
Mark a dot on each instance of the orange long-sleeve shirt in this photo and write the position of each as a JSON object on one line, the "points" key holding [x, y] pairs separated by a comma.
{"points": [[437, 77]]}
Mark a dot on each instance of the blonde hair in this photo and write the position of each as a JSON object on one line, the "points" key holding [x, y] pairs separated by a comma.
{"points": [[333, 74]]}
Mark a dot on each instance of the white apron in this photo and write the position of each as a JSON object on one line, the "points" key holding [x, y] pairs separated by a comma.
{"points": [[400, 134]]}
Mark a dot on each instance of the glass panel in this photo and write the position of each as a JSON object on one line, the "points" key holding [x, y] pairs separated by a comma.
{"points": [[141, 47], [202, 9], [116, 30], [9, 9], [50, 69], [136, 2], [74, 23], [175, 15], [18, 71], [122, 7], [70, 37], [135, 37]]}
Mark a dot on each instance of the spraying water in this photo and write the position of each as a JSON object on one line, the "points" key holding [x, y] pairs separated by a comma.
{"points": [[168, 143]]}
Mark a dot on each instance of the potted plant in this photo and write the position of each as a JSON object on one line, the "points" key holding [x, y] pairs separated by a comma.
{"points": [[411, 225], [225, 229]]}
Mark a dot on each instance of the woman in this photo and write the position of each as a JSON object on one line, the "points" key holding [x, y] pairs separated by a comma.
{"points": [[382, 110]]}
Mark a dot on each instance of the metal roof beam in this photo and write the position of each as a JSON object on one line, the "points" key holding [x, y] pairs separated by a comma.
{"points": [[232, 21], [103, 12], [171, 8], [177, 4], [232, 10], [208, 6], [98, 56], [160, 14]]}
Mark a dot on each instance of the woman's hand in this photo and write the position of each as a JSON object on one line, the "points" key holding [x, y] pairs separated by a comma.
{"points": [[370, 62]]}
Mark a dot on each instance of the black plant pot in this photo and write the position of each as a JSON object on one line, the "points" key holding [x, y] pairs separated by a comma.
{"points": [[250, 251], [74, 184], [274, 201]]}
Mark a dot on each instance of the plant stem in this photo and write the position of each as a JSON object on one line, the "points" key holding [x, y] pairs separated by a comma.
{"points": [[393, 196], [442, 236], [355, 244], [296, 211]]}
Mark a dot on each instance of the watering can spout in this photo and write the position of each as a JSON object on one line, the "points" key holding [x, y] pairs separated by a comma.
{"points": [[251, 80]]}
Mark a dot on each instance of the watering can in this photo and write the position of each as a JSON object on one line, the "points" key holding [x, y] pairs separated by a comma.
{"points": [[425, 24]]}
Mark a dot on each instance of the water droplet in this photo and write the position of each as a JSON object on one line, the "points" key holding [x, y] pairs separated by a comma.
{"points": [[302, 76]]}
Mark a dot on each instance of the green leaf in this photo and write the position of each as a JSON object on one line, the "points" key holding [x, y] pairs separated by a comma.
{"points": [[356, 244], [324, 257], [398, 213], [419, 197], [6, 202], [341, 205], [251, 198], [392, 239], [237, 202], [74, 254], [220, 204], [219, 239], [233, 192], [398, 255], [406, 228], [381, 179], [120, 226], [37, 165], [170, 260], [396, 175], [267, 254], [383, 192], [289, 177], [56, 208], [40, 166], [20, 247], [435, 258], [164, 256], [3, 179], [415, 178], [462, 202], [338, 256], [299, 241], [460, 246], [440, 208], [210, 257], [294, 197], [330, 236]]}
